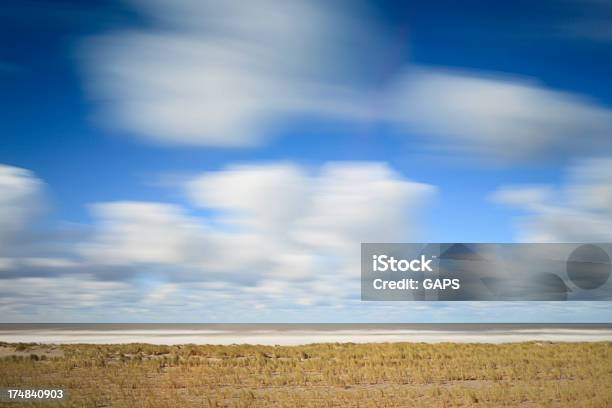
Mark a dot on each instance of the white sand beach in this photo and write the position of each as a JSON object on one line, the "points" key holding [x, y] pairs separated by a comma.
{"points": [[299, 336]]}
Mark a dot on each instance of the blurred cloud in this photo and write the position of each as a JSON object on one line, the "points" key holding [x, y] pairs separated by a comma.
{"points": [[522, 196], [342, 204], [266, 237], [27, 247], [21, 199], [499, 117], [229, 73], [274, 220], [235, 74], [234, 260], [265, 197], [142, 233], [579, 211], [61, 298]]}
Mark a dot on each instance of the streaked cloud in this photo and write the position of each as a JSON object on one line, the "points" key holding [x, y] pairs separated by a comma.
{"points": [[333, 208], [273, 237], [230, 74], [21, 199], [498, 117], [69, 297], [159, 262], [28, 246], [141, 233], [277, 220], [578, 211]]}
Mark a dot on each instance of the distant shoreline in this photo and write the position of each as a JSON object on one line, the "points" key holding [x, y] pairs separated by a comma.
{"points": [[299, 334], [292, 326]]}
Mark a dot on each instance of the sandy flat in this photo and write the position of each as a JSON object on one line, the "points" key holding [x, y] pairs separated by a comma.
{"points": [[299, 337]]}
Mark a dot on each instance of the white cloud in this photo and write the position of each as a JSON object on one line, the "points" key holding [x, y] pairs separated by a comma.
{"points": [[156, 238], [579, 211], [267, 223], [28, 245], [228, 73], [591, 185], [522, 196], [142, 232], [272, 235], [234, 73], [253, 243], [329, 211], [162, 293], [264, 197], [59, 298], [361, 203], [307, 280], [498, 117], [336, 207], [21, 199]]}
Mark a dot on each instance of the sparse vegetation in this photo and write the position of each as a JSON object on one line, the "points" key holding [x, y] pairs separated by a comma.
{"points": [[318, 375]]}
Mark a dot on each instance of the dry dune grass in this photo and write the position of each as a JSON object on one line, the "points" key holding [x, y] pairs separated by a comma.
{"points": [[318, 375]]}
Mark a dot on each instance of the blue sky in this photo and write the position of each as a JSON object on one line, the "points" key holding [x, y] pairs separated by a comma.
{"points": [[494, 123]]}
